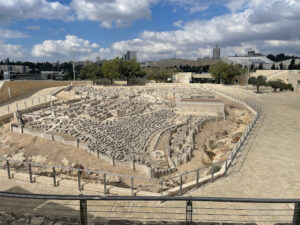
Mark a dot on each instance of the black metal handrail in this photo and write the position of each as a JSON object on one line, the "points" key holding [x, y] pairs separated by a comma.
{"points": [[189, 212], [149, 198]]}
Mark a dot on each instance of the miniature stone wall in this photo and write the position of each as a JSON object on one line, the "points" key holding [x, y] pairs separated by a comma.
{"points": [[12, 89]]}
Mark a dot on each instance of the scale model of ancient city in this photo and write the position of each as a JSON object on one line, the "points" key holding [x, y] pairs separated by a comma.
{"points": [[157, 133]]}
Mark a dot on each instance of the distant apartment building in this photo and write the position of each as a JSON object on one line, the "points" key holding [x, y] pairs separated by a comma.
{"points": [[130, 55], [216, 52], [14, 69]]}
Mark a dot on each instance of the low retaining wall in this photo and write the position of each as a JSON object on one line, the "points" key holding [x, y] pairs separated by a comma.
{"points": [[12, 89]]}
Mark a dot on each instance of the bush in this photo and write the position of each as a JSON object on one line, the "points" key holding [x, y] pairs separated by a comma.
{"points": [[289, 87], [279, 84]]}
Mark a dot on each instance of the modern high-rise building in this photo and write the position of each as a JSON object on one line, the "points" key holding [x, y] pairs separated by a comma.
{"points": [[216, 52], [130, 55]]}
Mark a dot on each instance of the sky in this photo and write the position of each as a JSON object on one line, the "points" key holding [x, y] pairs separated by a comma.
{"points": [[59, 30]]}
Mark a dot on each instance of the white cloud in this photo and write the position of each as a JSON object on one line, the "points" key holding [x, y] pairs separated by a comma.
{"points": [[275, 11], [178, 23], [14, 52], [33, 27], [235, 5], [61, 49], [234, 32], [11, 34], [112, 12], [11, 10], [194, 6], [108, 13]]}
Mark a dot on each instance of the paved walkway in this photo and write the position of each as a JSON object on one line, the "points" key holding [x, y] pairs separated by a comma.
{"points": [[268, 167], [272, 167]]}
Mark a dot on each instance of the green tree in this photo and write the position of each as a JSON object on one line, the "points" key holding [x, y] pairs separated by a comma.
{"points": [[275, 84], [281, 66], [159, 74], [292, 64], [226, 71], [90, 72], [273, 67], [131, 69], [112, 69], [257, 81]]}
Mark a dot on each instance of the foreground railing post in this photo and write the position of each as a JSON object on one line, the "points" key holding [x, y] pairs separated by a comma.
{"points": [[180, 184], [189, 212], [54, 176], [79, 185], [8, 169], [296, 218], [30, 173], [83, 212], [104, 183]]}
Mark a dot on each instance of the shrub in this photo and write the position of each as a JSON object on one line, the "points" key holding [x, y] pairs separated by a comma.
{"points": [[279, 84]]}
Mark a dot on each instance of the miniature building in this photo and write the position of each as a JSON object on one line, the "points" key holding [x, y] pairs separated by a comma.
{"points": [[201, 105], [184, 78]]}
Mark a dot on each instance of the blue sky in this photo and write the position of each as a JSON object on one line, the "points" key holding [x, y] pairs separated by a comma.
{"points": [[42, 30]]}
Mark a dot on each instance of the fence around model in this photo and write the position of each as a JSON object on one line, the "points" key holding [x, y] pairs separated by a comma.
{"points": [[71, 209], [117, 184]]}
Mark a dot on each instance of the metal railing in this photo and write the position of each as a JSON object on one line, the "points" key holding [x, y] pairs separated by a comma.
{"points": [[91, 209], [101, 179]]}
